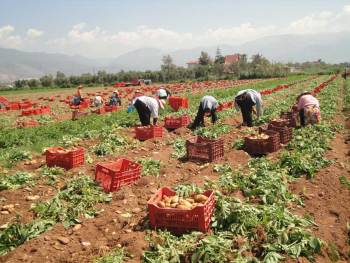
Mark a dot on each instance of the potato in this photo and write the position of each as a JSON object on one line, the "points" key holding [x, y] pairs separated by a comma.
{"points": [[200, 198], [191, 200], [183, 207], [185, 202], [174, 199], [161, 204], [166, 199], [174, 205]]}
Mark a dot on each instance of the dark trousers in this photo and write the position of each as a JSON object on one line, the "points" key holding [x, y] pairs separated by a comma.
{"points": [[144, 113], [199, 120], [302, 117], [246, 105]]}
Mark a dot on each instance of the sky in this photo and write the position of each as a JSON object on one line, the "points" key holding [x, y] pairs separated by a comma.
{"points": [[108, 28]]}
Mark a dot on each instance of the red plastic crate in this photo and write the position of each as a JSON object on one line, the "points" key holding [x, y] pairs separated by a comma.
{"points": [[202, 149], [67, 159], [114, 175], [291, 117], [176, 122], [111, 108], [13, 106], [178, 103], [286, 133], [263, 146], [45, 110], [99, 111], [177, 220], [143, 133], [279, 123]]}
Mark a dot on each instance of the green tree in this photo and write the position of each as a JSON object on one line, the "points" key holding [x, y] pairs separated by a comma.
{"points": [[219, 58], [46, 81], [33, 83], [61, 80], [168, 67], [204, 59]]}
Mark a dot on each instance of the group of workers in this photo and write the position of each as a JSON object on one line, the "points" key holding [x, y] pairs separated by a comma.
{"points": [[98, 100], [246, 101]]}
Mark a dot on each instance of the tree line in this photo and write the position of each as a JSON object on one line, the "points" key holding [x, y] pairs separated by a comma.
{"points": [[207, 69]]}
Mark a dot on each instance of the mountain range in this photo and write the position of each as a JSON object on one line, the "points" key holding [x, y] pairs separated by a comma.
{"points": [[330, 47]]}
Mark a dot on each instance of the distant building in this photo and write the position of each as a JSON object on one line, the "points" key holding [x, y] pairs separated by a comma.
{"points": [[192, 63], [230, 59]]}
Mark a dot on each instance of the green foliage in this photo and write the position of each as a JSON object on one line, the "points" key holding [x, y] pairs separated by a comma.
{"points": [[78, 197], [213, 132], [117, 255], [238, 144], [179, 146], [344, 181], [185, 190], [17, 233], [110, 143], [15, 155], [15, 181], [51, 174], [150, 167]]}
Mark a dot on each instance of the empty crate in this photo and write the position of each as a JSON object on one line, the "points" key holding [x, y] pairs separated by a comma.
{"points": [[176, 122], [65, 158], [202, 149], [143, 133], [113, 175]]}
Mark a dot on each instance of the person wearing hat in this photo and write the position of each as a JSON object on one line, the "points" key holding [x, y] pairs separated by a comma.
{"points": [[77, 98], [146, 107], [163, 93], [244, 101], [98, 101], [207, 107], [115, 99], [309, 109]]}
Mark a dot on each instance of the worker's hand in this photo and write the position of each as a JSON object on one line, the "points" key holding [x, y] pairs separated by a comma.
{"points": [[254, 111]]}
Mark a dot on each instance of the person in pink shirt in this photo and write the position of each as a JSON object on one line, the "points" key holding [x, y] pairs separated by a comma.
{"points": [[309, 109]]}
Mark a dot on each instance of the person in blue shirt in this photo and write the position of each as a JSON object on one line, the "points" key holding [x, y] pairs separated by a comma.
{"points": [[115, 99]]}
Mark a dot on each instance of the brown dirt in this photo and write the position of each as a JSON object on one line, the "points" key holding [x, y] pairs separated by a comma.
{"points": [[327, 202]]}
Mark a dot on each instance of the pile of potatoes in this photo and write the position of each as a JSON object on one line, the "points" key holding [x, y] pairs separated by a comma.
{"points": [[259, 136], [182, 203]]}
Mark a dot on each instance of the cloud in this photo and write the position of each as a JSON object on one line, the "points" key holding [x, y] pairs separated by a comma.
{"points": [[238, 34], [322, 22], [7, 39], [95, 41], [33, 33]]}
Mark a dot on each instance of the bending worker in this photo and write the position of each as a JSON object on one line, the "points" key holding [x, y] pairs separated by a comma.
{"points": [[115, 99], [207, 107], [245, 100], [309, 109], [147, 107], [163, 93]]}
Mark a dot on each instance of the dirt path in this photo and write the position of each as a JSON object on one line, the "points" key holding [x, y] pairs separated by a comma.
{"points": [[327, 200]]}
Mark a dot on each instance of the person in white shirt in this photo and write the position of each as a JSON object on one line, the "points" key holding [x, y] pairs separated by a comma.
{"points": [[147, 107], [98, 101], [245, 100], [163, 93], [207, 107]]}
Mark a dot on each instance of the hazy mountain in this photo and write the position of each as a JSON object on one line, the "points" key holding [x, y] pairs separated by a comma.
{"points": [[16, 64], [331, 47]]}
